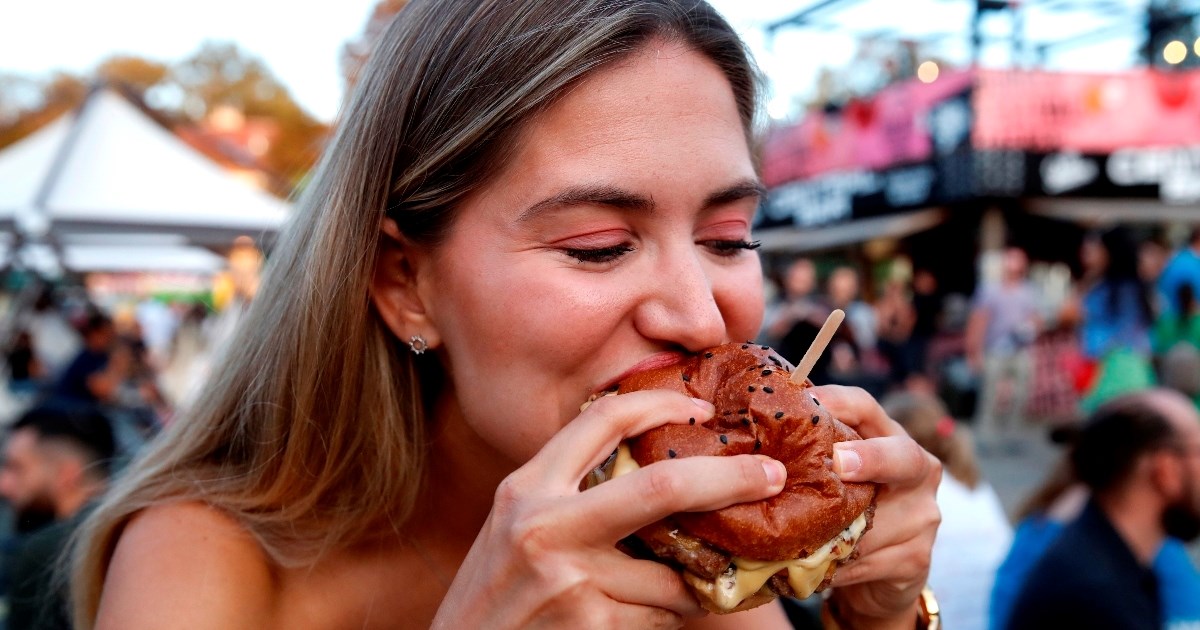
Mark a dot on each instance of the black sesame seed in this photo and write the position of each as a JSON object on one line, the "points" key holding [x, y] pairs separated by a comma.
{"points": [[691, 421], [744, 346], [768, 390], [816, 419], [724, 439], [757, 444], [765, 347], [707, 355], [775, 360], [751, 368], [749, 341], [766, 372], [746, 422], [750, 389], [686, 378], [743, 411], [778, 415], [671, 453], [816, 401]]}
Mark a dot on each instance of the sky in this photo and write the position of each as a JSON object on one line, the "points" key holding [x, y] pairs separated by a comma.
{"points": [[302, 46]]}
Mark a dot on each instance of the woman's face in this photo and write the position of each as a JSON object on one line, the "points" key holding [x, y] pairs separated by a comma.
{"points": [[613, 240]]}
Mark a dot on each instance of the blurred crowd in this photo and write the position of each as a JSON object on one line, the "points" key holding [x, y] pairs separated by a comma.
{"points": [[86, 389], [1107, 365]]}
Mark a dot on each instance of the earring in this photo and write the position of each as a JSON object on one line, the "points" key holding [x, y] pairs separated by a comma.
{"points": [[417, 344]]}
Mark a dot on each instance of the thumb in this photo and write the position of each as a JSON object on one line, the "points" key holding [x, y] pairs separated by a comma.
{"points": [[894, 459]]}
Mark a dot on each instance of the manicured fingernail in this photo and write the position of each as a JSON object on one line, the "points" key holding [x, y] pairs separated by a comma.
{"points": [[775, 471], [845, 459], [704, 404]]}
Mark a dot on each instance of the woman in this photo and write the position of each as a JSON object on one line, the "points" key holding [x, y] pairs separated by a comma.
{"points": [[524, 202], [974, 534], [1117, 316]]}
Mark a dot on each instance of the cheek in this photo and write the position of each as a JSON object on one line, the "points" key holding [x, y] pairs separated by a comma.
{"points": [[518, 340]]}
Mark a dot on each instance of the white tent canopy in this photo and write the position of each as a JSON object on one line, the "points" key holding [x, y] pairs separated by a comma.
{"points": [[112, 169]]}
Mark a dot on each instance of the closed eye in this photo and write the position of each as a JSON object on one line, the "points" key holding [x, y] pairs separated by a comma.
{"points": [[730, 248], [599, 254]]}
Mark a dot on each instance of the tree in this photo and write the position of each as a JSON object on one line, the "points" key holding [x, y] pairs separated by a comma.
{"points": [[223, 74], [135, 73], [24, 113]]}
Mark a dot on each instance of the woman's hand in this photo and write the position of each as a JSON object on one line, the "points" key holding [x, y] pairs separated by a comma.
{"points": [[546, 556], [880, 588]]}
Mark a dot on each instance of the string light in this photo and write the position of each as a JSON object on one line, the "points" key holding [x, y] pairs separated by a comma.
{"points": [[1174, 52], [928, 72]]}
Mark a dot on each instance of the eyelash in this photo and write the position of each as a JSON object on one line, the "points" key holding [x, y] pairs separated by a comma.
{"points": [[608, 254]]}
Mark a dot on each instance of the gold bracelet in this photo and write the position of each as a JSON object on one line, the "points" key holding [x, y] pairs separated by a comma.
{"points": [[929, 615]]}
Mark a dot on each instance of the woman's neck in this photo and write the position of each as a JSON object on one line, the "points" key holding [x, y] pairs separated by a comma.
{"points": [[463, 474]]}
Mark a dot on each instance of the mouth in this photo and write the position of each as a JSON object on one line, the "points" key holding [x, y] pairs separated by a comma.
{"points": [[652, 362]]}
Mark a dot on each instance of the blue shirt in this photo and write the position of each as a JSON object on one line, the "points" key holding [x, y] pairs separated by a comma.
{"points": [[1184, 268], [1178, 578], [1105, 329]]}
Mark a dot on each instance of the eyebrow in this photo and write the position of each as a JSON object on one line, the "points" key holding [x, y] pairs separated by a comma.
{"points": [[613, 197]]}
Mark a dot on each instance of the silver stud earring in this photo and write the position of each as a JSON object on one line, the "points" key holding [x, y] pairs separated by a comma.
{"points": [[417, 344]]}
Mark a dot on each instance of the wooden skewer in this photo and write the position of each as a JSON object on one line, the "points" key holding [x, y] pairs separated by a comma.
{"points": [[818, 345]]}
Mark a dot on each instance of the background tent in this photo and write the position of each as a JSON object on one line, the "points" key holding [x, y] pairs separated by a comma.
{"points": [[112, 169]]}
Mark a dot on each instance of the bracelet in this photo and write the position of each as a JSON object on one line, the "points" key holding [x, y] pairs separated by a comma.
{"points": [[928, 613]]}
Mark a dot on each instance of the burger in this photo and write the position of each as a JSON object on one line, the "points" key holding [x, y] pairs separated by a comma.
{"points": [[747, 554]]}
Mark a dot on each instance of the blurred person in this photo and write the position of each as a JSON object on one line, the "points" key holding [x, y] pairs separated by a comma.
{"points": [[842, 292], [1049, 509], [25, 372], [1139, 457], [927, 306], [97, 373], [896, 319], [798, 302], [1176, 341], [1182, 269], [187, 363], [524, 202], [1179, 326], [158, 324], [56, 461], [974, 534], [1002, 327], [1152, 260], [1116, 320], [55, 340]]}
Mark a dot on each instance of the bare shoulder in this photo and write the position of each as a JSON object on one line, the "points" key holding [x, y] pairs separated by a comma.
{"points": [[187, 565]]}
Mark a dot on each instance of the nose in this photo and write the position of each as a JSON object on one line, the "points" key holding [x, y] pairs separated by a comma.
{"points": [[680, 307]]}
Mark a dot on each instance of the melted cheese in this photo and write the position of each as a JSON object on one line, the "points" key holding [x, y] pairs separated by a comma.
{"points": [[747, 577], [804, 574], [625, 463]]}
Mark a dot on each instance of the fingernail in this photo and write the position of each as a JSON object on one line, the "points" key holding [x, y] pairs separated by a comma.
{"points": [[775, 471], [845, 459], [704, 404]]}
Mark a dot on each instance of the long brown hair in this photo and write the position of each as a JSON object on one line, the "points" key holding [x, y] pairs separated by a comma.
{"points": [[311, 430], [926, 419]]}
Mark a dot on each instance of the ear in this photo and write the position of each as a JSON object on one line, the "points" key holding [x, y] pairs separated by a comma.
{"points": [[1167, 474], [396, 287], [68, 472]]}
